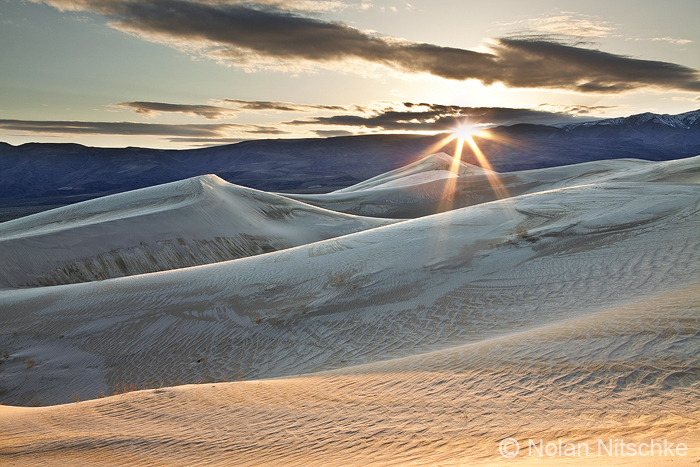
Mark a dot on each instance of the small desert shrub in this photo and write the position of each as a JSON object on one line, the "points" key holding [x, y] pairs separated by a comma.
{"points": [[257, 320], [35, 403], [522, 233], [100, 394], [5, 355], [76, 397], [123, 388], [29, 363]]}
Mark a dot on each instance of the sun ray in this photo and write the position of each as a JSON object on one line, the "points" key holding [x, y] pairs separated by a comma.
{"points": [[448, 194], [498, 188], [464, 135]]}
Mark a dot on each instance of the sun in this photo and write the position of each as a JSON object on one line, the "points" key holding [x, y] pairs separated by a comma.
{"points": [[464, 132]]}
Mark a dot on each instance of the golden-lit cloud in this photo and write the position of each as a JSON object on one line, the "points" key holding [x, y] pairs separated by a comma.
{"points": [[563, 24], [672, 40]]}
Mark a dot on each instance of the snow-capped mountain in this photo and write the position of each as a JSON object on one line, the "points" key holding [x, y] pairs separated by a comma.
{"points": [[685, 120]]}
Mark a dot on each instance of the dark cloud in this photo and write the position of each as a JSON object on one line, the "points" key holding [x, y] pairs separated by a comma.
{"points": [[209, 112], [203, 142], [575, 109], [281, 106], [266, 130], [331, 133], [245, 32], [553, 65], [437, 118], [212, 112]]}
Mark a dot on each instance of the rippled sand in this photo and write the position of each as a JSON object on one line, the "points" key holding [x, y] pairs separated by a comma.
{"points": [[571, 313]]}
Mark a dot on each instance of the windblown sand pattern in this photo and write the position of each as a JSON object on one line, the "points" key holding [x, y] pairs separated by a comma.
{"points": [[569, 311]]}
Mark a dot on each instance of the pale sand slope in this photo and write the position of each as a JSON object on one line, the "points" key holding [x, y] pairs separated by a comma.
{"points": [[196, 221], [628, 373], [408, 288], [420, 188]]}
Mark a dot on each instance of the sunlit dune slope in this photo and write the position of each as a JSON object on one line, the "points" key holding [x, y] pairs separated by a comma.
{"points": [[399, 290], [432, 185], [196, 221], [625, 373]]}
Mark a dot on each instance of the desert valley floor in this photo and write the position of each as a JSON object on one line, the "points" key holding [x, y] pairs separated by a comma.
{"points": [[417, 318]]}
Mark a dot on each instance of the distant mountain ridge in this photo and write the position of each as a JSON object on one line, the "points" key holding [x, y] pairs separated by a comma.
{"points": [[685, 120], [38, 174]]}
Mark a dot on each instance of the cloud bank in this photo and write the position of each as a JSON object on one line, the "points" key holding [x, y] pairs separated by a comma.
{"points": [[377, 117], [439, 118], [250, 34]]}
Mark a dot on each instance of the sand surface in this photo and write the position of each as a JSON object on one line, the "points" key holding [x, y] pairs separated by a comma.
{"points": [[570, 311]]}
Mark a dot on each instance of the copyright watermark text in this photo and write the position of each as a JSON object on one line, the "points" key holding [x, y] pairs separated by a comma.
{"points": [[511, 447]]}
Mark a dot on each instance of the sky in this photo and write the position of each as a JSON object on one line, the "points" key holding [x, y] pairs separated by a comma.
{"points": [[191, 73]]}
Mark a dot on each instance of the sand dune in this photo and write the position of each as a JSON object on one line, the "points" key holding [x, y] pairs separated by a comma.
{"points": [[196, 221], [568, 312], [421, 188], [406, 288], [626, 373]]}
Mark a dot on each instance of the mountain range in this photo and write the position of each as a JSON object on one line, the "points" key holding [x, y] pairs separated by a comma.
{"points": [[36, 176]]}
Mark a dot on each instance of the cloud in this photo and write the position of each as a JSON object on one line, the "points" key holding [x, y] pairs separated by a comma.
{"points": [[553, 65], [208, 131], [281, 106], [575, 109], [672, 40], [564, 24], [437, 118], [379, 117], [115, 128], [203, 142], [382, 115], [252, 35], [266, 130], [332, 133], [152, 109], [212, 112]]}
